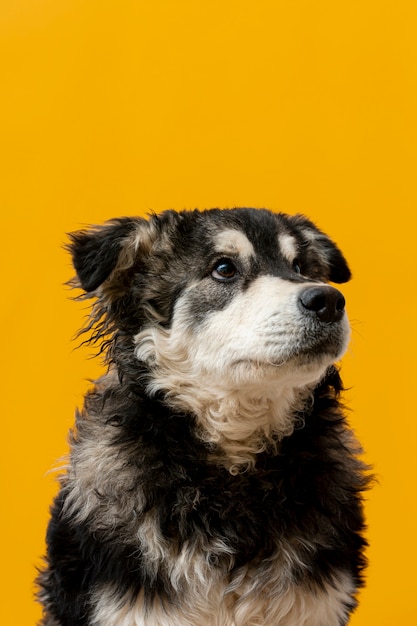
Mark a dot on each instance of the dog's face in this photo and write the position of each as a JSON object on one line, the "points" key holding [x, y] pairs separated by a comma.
{"points": [[219, 301]]}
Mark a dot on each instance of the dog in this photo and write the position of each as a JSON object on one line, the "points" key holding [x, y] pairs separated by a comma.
{"points": [[212, 479]]}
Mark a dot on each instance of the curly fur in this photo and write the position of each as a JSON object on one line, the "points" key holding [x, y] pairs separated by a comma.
{"points": [[213, 478]]}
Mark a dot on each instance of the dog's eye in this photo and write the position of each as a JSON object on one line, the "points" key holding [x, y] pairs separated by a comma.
{"points": [[224, 270], [296, 266]]}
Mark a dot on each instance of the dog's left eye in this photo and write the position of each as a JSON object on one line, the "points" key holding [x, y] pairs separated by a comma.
{"points": [[224, 270]]}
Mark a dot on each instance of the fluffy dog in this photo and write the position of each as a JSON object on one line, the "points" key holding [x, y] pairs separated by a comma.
{"points": [[212, 480]]}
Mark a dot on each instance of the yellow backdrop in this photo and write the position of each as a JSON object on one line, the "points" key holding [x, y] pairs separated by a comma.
{"points": [[118, 107]]}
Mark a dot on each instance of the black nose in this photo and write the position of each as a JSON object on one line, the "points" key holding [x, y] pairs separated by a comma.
{"points": [[325, 302]]}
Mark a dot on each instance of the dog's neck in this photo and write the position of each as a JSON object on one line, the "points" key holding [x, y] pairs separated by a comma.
{"points": [[246, 422], [241, 422], [241, 411]]}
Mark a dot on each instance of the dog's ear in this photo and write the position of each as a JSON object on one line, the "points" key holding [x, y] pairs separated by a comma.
{"points": [[336, 264], [339, 271], [97, 252]]}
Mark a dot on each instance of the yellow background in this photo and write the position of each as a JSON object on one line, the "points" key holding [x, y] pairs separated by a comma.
{"points": [[118, 107]]}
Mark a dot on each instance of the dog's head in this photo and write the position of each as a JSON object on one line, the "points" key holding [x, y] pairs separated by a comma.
{"points": [[217, 302]]}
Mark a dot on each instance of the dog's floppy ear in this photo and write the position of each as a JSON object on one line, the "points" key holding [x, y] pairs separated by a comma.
{"points": [[339, 271], [337, 266], [96, 252]]}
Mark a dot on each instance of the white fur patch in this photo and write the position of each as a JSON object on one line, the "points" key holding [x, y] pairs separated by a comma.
{"points": [[244, 602]]}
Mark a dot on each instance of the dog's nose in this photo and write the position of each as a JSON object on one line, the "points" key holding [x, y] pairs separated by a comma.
{"points": [[325, 302]]}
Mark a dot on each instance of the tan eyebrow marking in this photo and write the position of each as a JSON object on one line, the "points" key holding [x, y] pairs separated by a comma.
{"points": [[288, 246], [232, 241]]}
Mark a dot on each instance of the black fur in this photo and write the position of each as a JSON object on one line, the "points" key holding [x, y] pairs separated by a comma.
{"points": [[95, 254], [300, 492], [307, 493]]}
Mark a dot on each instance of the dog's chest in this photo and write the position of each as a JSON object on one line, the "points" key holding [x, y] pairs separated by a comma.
{"points": [[247, 599], [218, 566]]}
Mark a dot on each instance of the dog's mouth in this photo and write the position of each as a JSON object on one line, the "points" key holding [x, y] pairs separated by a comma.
{"points": [[321, 351], [298, 360]]}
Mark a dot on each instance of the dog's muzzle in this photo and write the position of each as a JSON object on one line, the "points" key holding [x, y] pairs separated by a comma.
{"points": [[324, 303]]}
